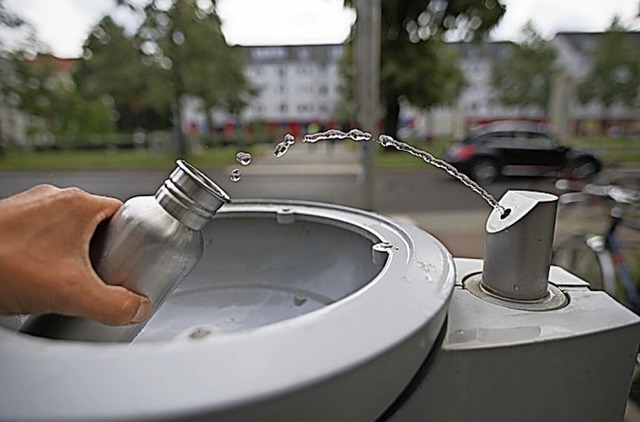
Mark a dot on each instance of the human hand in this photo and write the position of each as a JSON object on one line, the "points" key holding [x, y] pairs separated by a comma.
{"points": [[44, 258]]}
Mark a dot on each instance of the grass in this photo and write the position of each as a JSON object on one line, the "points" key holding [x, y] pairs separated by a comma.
{"points": [[113, 160], [611, 150]]}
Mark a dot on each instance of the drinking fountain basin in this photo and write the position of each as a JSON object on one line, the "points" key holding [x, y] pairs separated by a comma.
{"points": [[317, 309]]}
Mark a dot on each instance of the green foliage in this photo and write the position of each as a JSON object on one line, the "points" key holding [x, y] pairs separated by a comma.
{"points": [[415, 63], [524, 76], [185, 42], [112, 71], [615, 72], [39, 89], [187, 52]]}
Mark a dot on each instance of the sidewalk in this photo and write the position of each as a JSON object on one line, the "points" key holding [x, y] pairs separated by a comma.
{"points": [[462, 232]]}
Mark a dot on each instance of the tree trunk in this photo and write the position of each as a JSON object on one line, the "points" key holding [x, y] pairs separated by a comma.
{"points": [[178, 92], [392, 114]]}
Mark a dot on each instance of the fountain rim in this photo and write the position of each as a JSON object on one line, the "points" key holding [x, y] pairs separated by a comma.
{"points": [[416, 314]]}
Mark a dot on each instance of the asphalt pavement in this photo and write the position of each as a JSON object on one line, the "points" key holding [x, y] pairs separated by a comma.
{"points": [[324, 172], [321, 172]]}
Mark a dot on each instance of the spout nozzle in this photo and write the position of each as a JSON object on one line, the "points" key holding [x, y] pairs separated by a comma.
{"points": [[518, 246]]}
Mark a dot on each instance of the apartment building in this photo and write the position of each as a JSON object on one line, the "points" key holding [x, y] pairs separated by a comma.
{"points": [[297, 84]]}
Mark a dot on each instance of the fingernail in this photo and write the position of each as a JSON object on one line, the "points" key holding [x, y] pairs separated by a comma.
{"points": [[142, 313]]}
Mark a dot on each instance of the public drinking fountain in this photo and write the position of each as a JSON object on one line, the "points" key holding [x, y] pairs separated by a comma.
{"points": [[319, 312]]}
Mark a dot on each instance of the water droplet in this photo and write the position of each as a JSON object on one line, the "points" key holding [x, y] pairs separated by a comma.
{"points": [[243, 158], [382, 247], [299, 301], [358, 135], [200, 332], [289, 139], [281, 149], [424, 266], [385, 140], [235, 175]]}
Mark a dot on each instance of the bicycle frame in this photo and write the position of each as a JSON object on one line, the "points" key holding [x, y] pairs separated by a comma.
{"points": [[618, 259]]}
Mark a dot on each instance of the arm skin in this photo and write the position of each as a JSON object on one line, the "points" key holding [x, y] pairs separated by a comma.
{"points": [[44, 258]]}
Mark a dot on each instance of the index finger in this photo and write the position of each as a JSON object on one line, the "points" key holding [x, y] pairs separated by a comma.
{"points": [[96, 207]]}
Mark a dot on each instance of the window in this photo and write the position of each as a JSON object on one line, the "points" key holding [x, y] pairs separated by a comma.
{"points": [[268, 53], [541, 141], [304, 53]]}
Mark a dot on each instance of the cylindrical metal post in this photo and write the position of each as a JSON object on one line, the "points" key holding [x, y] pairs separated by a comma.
{"points": [[518, 246], [367, 54]]}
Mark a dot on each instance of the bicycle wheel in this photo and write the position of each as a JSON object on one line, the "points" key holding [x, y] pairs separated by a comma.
{"points": [[575, 256]]}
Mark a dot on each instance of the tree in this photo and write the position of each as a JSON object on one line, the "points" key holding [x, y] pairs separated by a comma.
{"points": [[185, 44], [415, 63], [40, 88], [112, 71], [523, 77], [40, 85], [615, 71]]}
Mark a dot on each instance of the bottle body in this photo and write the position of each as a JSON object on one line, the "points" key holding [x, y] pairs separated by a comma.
{"points": [[148, 246], [145, 249], [142, 248]]}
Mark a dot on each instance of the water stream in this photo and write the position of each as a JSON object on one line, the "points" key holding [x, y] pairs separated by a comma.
{"points": [[387, 141]]}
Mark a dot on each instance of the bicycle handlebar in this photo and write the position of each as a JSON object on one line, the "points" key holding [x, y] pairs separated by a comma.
{"points": [[618, 194]]}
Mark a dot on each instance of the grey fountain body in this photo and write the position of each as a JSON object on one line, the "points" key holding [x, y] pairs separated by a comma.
{"points": [[317, 312]]}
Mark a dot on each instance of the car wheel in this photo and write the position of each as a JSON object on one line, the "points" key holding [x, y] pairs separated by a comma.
{"points": [[484, 171]]}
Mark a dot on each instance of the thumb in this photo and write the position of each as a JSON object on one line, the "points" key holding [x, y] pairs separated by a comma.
{"points": [[112, 305]]}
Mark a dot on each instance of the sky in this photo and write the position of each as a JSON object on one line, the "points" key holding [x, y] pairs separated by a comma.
{"points": [[64, 24]]}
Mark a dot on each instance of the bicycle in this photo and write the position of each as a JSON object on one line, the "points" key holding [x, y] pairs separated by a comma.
{"points": [[604, 259]]}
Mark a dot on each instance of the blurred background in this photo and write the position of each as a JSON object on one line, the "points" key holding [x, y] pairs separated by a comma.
{"points": [[106, 94]]}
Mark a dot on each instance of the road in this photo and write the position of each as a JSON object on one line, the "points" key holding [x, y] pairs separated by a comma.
{"points": [[395, 191], [427, 197]]}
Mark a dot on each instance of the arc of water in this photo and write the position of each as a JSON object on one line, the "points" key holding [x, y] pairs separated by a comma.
{"points": [[386, 141]]}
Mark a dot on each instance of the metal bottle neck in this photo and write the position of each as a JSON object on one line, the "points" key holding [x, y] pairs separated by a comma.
{"points": [[190, 196]]}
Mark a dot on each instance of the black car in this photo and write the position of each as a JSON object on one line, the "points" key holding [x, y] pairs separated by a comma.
{"points": [[487, 155]]}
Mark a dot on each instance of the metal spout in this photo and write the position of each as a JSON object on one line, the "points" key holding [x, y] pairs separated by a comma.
{"points": [[518, 246]]}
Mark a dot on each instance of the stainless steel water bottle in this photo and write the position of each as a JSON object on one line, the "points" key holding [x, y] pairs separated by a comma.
{"points": [[149, 245]]}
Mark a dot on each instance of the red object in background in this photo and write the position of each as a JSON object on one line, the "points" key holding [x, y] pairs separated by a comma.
{"points": [[294, 129], [229, 129], [464, 151]]}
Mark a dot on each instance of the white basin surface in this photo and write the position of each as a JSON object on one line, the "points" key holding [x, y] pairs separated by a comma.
{"points": [[297, 311]]}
